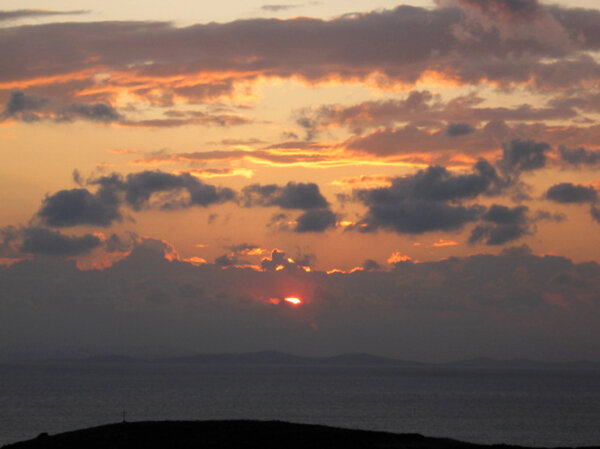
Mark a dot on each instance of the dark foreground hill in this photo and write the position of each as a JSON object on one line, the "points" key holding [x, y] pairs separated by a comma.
{"points": [[234, 434]]}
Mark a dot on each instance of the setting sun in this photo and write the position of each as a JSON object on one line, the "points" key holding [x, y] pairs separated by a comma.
{"points": [[295, 301]]}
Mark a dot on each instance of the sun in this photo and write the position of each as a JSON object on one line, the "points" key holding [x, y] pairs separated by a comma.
{"points": [[293, 300]]}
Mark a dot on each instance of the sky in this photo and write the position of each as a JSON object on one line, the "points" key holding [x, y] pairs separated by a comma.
{"points": [[422, 176]]}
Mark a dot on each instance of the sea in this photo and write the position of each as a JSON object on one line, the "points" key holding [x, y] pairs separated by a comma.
{"points": [[547, 407]]}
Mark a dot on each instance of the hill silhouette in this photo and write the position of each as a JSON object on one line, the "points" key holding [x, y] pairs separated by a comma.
{"points": [[235, 434]]}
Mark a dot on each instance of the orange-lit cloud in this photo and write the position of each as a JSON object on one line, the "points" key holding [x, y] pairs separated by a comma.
{"points": [[443, 243], [398, 257], [364, 181]]}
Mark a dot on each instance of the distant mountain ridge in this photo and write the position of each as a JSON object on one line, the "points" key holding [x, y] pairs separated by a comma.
{"points": [[356, 359]]}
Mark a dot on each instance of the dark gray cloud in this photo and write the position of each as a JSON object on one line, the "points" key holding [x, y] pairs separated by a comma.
{"points": [[117, 244], [293, 195], [427, 201], [503, 225], [317, 216], [32, 108], [417, 217], [10, 242], [436, 183], [103, 113], [502, 215], [80, 207], [478, 305], [139, 188], [34, 13], [315, 220], [459, 129], [226, 260], [279, 261], [567, 192], [371, 265], [277, 258], [41, 241], [579, 156], [147, 189], [523, 155], [24, 106]]}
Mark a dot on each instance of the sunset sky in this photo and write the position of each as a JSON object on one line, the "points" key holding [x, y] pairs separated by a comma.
{"points": [[422, 176]]}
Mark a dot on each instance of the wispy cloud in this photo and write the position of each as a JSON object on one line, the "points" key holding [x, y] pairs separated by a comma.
{"points": [[35, 13]]}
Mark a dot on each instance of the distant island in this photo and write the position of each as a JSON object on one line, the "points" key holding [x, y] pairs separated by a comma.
{"points": [[235, 434], [358, 359]]}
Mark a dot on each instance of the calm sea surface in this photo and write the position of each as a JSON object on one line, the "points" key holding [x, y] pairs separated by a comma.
{"points": [[550, 407]]}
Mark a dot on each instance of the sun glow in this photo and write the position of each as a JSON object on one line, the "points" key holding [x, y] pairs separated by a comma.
{"points": [[294, 301]]}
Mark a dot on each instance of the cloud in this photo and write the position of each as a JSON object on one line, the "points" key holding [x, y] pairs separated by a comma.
{"points": [[278, 261], [42, 241], [436, 183], [317, 216], [21, 105], [304, 196], [94, 112], [315, 220], [426, 201], [595, 212], [200, 118], [10, 242], [567, 192], [310, 155], [286, 7], [413, 140], [364, 181], [146, 189], [579, 156], [507, 9], [29, 242], [523, 155], [31, 108], [246, 249], [464, 42], [35, 13], [416, 106], [505, 225], [417, 217], [226, 260], [233, 256], [80, 207], [371, 265], [483, 304], [459, 129], [139, 188], [428, 110]]}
